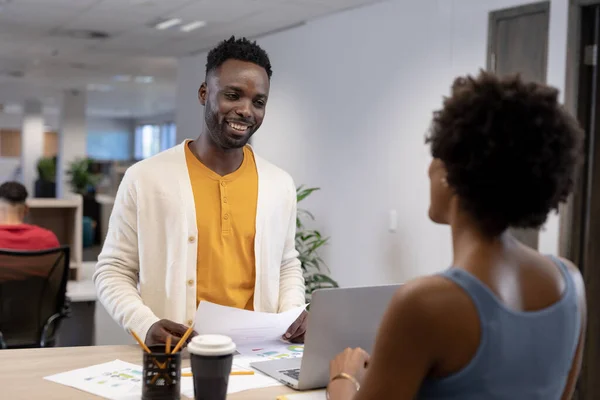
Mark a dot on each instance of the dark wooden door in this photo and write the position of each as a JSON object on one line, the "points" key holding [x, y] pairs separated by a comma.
{"points": [[518, 43], [585, 217]]}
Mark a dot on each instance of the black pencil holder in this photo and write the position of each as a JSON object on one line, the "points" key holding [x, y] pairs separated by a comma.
{"points": [[162, 375]]}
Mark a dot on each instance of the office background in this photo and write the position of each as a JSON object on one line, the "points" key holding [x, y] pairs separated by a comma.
{"points": [[353, 91]]}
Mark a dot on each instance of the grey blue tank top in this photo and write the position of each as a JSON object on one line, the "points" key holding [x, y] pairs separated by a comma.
{"points": [[521, 355]]}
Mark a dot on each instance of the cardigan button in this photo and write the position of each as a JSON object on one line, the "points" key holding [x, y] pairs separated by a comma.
{"points": [[191, 282], [190, 322], [192, 239]]}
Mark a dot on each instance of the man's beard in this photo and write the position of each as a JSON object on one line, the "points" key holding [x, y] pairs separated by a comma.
{"points": [[217, 132]]}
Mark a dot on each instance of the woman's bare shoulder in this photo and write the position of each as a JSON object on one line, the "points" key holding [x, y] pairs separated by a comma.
{"points": [[434, 297]]}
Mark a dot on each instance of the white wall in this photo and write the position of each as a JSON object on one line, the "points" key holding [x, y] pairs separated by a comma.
{"points": [[15, 121], [188, 112], [71, 137], [32, 143], [351, 99], [156, 119], [11, 121]]}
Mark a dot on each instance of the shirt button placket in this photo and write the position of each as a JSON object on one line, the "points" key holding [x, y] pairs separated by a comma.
{"points": [[225, 209]]}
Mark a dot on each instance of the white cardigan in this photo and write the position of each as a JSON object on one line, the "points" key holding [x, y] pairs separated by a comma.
{"points": [[147, 268]]}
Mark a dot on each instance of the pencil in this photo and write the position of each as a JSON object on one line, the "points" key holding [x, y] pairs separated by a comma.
{"points": [[168, 345], [137, 338], [242, 373], [188, 374], [183, 339]]}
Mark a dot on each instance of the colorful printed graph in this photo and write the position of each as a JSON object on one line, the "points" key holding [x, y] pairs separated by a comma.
{"points": [[116, 378], [280, 352]]}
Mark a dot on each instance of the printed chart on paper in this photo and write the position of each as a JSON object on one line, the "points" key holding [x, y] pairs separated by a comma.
{"points": [[112, 380], [273, 350]]}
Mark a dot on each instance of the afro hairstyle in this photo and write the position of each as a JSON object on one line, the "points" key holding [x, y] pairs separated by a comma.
{"points": [[238, 49], [510, 149]]}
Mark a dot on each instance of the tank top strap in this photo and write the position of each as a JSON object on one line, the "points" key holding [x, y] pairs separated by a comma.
{"points": [[487, 302], [570, 289], [481, 295], [570, 297]]}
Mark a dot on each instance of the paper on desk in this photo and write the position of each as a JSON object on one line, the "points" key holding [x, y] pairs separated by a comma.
{"points": [[119, 380], [243, 326], [315, 395], [115, 380]]}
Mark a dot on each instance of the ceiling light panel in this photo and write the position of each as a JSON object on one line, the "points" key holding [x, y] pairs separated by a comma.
{"points": [[169, 23], [192, 26]]}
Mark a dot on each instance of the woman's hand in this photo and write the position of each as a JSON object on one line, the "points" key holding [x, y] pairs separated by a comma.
{"points": [[353, 362]]}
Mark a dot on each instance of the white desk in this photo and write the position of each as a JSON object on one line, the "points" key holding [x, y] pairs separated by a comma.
{"points": [[81, 291], [22, 372]]}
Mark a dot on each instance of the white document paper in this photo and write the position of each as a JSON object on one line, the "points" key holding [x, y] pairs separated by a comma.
{"points": [[119, 380], [316, 395], [115, 380], [243, 326]]}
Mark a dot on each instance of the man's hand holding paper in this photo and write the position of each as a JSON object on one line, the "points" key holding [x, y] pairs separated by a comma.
{"points": [[297, 330], [246, 327]]}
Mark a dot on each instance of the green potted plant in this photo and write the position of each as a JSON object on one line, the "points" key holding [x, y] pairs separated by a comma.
{"points": [[45, 185], [82, 180], [308, 244]]}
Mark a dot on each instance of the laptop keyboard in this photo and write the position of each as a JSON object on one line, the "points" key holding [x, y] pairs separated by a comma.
{"points": [[292, 373]]}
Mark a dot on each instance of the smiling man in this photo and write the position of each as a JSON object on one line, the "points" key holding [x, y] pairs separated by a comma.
{"points": [[208, 219]]}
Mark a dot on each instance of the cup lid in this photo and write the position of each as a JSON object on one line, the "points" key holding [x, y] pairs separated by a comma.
{"points": [[211, 345]]}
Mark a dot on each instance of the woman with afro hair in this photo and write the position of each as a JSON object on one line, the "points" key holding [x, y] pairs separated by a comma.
{"points": [[504, 322]]}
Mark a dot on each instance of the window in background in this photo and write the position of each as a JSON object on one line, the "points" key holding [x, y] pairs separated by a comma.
{"points": [[108, 145], [152, 139]]}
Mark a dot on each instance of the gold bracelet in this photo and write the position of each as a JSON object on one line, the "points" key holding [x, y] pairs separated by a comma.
{"points": [[343, 375]]}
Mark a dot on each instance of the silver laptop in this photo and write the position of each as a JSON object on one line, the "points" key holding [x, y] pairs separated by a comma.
{"points": [[338, 318]]}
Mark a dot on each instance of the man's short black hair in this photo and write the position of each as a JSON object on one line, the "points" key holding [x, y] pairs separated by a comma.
{"points": [[510, 149], [13, 192], [238, 49]]}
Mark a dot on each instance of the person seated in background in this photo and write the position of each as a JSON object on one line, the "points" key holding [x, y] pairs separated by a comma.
{"points": [[503, 322], [14, 233]]}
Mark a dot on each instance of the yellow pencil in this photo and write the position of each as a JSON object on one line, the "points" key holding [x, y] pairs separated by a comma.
{"points": [[242, 373], [168, 345], [183, 339], [137, 338]]}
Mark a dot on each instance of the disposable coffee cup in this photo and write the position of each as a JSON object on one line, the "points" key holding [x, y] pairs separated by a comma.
{"points": [[211, 357]]}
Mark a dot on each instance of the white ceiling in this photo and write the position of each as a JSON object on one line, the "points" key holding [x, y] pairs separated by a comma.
{"points": [[40, 57]]}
